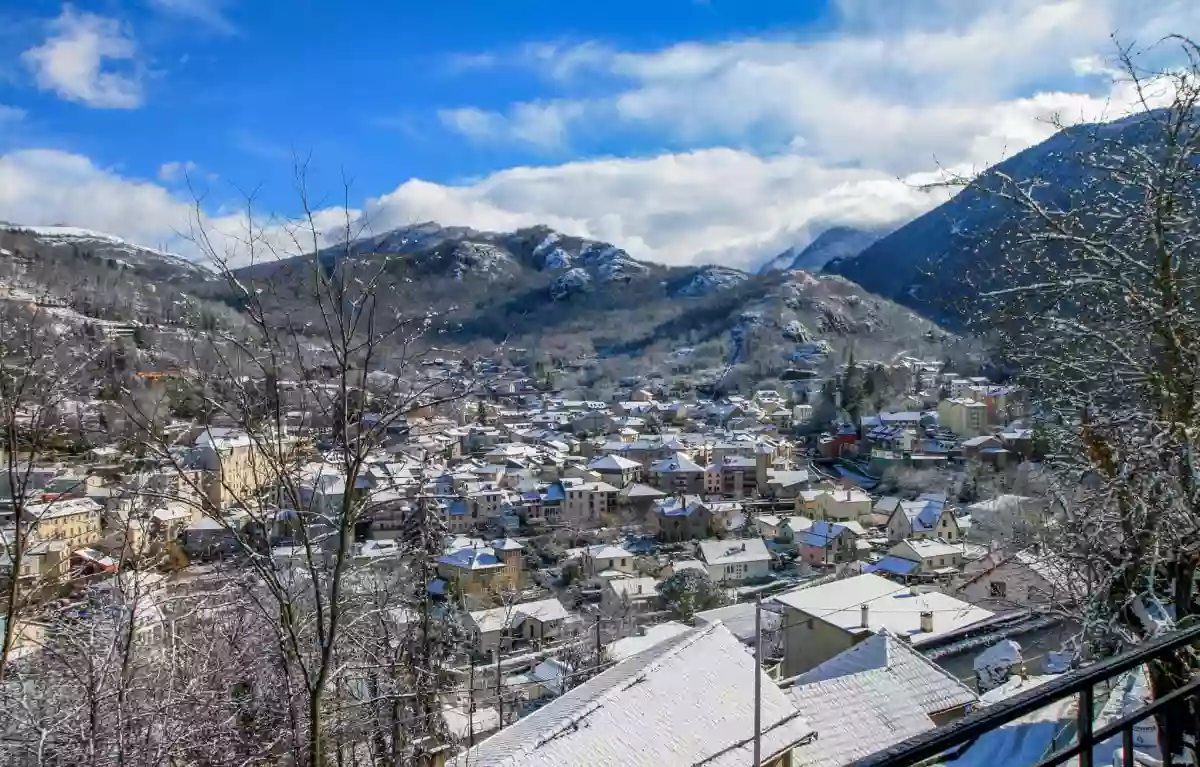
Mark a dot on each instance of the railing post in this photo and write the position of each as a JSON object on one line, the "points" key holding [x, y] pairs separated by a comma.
{"points": [[1083, 726], [1127, 747]]}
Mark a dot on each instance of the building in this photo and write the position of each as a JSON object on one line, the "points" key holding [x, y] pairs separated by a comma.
{"points": [[630, 595], [1026, 579], [606, 558], [698, 686], [844, 504], [587, 502], [533, 622], [483, 570], [831, 543], [234, 468], [871, 697], [677, 474], [616, 470], [736, 560], [923, 519], [73, 520], [932, 556], [822, 621], [965, 417], [684, 518]]}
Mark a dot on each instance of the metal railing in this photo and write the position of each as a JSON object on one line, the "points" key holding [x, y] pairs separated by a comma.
{"points": [[1082, 683]]}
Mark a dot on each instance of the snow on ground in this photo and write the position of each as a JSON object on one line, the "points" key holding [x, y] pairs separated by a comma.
{"points": [[1025, 741]]}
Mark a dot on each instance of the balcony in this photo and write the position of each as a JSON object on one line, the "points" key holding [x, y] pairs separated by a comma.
{"points": [[1081, 742]]}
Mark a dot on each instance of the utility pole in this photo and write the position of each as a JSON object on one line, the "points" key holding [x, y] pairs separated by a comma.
{"points": [[499, 690], [757, 680], [471, 705], [599, 646]]}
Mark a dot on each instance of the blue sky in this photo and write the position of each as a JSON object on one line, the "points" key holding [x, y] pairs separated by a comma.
{"points": [[682, 130]]}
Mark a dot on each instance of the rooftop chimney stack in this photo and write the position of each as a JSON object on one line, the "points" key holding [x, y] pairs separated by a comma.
{"points": [[914, 589], [866, 615], [927, 622]]}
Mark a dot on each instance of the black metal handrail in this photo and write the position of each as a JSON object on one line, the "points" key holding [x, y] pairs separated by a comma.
{"points": [[1081, 682]]}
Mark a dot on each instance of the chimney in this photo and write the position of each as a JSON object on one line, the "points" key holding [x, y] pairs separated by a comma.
{"points": [[866, 614], [926, 622], [914, 589]]}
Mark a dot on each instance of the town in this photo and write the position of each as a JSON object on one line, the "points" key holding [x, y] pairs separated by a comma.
{"points": [[856, 566]]}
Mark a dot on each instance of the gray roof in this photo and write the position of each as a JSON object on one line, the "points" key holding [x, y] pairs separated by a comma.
{"points": [[685, 700], [679, 463], [933, 689], [739, 619], [855, 716]]}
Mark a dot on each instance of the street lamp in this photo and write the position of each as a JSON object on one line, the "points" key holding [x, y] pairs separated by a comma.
{"points": [[759, 608]]}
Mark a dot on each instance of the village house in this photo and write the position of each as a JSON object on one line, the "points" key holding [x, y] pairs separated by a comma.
{"points": [[683, 518], [497, 628], [616, 470], [736, 560], [872, 696], [843, 504], [606, 559], [923, 519], [483, 570], [822, 621], [235, 469], [677, 474], [829, 543], [932, 556], [1026, 579], [628, 596]]}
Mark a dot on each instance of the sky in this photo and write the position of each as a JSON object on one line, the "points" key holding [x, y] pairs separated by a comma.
{"points": [[685, 131]]}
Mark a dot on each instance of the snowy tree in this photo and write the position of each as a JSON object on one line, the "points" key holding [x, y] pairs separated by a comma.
{"points": [[1091, 295]]}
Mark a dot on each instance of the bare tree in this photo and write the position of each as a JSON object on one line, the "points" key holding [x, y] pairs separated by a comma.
{"points": [[299, 404], [1091, 295]]}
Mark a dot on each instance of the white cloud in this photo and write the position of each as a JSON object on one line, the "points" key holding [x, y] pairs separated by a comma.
{"points": [[210, 13], [719, 205], [45, 186], [176, 171], [78, 61], [10, 114], [539, 125], [866, 116]]}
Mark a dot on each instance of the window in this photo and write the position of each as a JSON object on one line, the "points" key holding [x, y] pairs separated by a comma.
{"points": [[622, 563], [998, 589]]}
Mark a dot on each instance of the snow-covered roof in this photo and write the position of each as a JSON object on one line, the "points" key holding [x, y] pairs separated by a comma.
{"points": [[607, 551], [889, 606], [739, 619], [676, 464], [471, 559], [933, 689], [855, 716], [495, 618], [686, 700], [632, 645], [634, 589], [613, 463], [734, 551], [638, 490], [929, 547]]}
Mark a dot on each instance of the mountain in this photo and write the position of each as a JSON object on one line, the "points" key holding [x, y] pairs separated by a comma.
{"points": [[833, 243], [588, 305], [576, 298], [931, 263], [83, 277], [67, 240]]}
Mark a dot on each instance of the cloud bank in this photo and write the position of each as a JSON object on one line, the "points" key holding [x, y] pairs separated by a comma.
{"points": [[773, 139]]}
